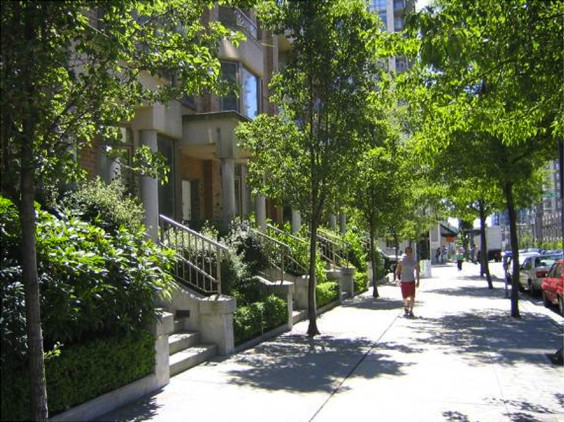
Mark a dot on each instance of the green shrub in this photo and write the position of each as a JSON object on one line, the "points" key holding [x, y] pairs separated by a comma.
{"points": [[253, 320], [106, 205], [360, 282], [275, 312], [78, 373], [92, 284], [326, 293], [358, 255], [250, 246]]}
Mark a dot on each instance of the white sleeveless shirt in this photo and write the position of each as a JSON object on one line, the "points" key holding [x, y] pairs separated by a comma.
{"points": [[408, 269]]}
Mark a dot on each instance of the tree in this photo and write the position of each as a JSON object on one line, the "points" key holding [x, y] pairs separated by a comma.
{"points": [[325, 84], [379, 194], [494, 71], [70, 71]]}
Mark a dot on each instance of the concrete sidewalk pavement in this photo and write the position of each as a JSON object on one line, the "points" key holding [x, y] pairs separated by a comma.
{"points": [[463, 358]]}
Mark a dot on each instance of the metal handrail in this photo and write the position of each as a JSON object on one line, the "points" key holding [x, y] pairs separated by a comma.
{"points": [[283, 247], [291, 236], [245, 22], [195, 253], [335, 245]]}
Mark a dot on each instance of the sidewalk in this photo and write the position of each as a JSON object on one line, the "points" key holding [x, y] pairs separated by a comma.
{"points": [[463, 358]]}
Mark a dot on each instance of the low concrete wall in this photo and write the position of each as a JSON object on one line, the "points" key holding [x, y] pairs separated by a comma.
{"points": [[216, 321], [347, 281], [211, 316], [300, 292]]}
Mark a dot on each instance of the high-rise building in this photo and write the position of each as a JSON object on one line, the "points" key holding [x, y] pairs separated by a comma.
{"points": [[392, 13]]}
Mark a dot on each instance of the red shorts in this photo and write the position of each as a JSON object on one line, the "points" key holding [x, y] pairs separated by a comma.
{"points": [[407, 289]]}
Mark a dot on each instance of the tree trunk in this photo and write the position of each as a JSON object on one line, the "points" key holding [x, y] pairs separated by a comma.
{"points": [[312, 329], [373, 263], [484, 266], [508, 190], [39, 410]]}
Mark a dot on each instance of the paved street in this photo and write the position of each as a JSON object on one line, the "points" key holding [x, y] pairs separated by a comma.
{"points": [[463, 358]]}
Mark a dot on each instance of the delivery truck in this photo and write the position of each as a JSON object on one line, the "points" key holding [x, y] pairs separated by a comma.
{"points": [[493, 239]]}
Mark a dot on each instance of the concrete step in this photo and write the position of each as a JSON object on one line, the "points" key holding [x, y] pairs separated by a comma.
{"points": [[186, 359], [178, 325], [182, 340]]}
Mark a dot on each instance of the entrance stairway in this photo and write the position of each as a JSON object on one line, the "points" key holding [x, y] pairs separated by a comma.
{"points": [[186, 349]]}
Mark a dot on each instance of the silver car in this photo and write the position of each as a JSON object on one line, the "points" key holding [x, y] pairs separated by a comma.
{"points": [[533, 269]]}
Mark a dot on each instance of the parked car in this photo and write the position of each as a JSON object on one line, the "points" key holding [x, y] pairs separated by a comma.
{"points": [[553, 286], [534, 268], [509, 265]]}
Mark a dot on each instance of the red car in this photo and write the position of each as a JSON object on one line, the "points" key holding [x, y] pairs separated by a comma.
{"points": [[553, 286]]}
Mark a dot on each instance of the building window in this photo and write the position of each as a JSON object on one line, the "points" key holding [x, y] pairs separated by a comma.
{"points": [[378, 5], [401, 64], [398, 23], [115, 162], [250, 97], [246, 84], [229, 75]]}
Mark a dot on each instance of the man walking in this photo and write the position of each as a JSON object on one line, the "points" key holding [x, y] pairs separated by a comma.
{"points": [[407, 272]]}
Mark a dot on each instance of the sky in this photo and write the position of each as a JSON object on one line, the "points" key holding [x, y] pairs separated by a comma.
{"points": [[420, 4]]}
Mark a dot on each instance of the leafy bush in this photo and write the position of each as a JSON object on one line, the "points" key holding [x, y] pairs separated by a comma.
{"points": [[250, 247], [253, 320], [106, 206], [74, 374], [92, 284], [357, 251], [326, 293], [360, 282]]}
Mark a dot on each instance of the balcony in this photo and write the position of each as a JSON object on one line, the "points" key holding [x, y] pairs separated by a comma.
{"points": [[209, 136], [234, 18]]}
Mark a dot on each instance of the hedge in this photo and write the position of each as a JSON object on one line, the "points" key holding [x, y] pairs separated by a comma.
{"points": [[360, 282], [326, 293], [78, 373], [253, 320]]}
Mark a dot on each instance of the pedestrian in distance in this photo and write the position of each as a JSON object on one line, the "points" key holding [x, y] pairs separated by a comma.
{"points": [[407, 272], [438, 255], [460, 257]]}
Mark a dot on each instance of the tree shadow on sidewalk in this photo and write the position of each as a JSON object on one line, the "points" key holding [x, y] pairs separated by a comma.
{"points": [[473, 291], [368, 302], [142, 409], [297, 363], [493, 336]]}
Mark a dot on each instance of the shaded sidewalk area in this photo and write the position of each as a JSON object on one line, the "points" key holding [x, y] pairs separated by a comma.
{"points": [[463, 358]]}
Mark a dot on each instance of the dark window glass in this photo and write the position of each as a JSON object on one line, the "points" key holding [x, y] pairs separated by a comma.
{"points": [[229, 75]]}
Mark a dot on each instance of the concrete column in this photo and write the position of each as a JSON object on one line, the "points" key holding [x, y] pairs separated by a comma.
{"points": [[296, 221], [333, 222], [150, 189], [216, 315], [347, 281], [227, 190], [244, 192], [285, 291], [260, 209], [161, 330], [343, 218], [300, 297]]}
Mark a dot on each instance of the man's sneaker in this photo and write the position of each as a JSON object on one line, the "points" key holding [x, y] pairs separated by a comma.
{"points": [[405, 312], [411, 314]]}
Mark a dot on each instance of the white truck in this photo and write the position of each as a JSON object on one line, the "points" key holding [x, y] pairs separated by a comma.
{"points": [[493, 239]]}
